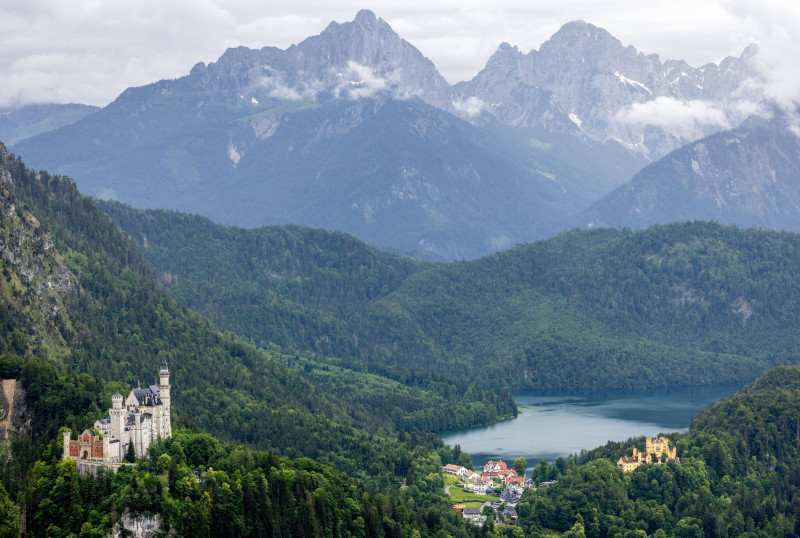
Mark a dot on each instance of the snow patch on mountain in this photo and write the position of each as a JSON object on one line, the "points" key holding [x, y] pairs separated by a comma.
{"points": [[635, 83]]}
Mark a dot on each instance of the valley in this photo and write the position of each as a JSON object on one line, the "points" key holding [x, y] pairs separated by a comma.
{"points": [[364, 278], [558, 424]]}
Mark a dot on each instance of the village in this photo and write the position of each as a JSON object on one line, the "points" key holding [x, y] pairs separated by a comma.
{"points": [[467, 488], [504, 485]]}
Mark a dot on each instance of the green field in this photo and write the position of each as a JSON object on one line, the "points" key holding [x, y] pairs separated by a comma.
{"points": [[464, 496]]}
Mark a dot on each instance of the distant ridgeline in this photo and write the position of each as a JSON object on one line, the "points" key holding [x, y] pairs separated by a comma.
{"points": [[80, 307], [681, 304], [77, 289]]}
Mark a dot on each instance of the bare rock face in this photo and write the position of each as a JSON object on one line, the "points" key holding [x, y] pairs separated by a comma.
{"points": [[14, 417], [610, 91], [32, 266], [352, 60], [746, 176], [141, 526]]}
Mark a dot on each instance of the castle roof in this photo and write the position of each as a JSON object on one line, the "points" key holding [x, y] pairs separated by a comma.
{"points": [[116, 395], [148, 396]]}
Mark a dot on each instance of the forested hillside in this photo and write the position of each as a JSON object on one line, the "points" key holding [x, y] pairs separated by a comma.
{"points": [[79, 294], [82, 318], [738, 476], [198, 486], [690, 303]]}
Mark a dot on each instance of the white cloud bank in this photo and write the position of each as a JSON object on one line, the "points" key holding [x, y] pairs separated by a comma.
{"points": [[471, 106], [90, 51], [361, 81], [670, 113]]}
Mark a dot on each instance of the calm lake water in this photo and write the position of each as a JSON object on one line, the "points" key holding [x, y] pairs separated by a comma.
{"points": [[552, 424]]}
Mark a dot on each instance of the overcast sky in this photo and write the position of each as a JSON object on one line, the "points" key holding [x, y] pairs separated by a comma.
{"points": [[89, 51]]}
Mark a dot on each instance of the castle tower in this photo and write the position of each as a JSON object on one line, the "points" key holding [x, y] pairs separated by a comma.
{"points": [[66, 443], [116, 401], [165, 429], [107, 449]]}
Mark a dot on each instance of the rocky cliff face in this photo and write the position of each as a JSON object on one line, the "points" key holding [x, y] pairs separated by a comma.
{"points": [[355, 130], [610, 91], [14, 417], [353, 60], [749, 176], [35, 271], [141, 526]]}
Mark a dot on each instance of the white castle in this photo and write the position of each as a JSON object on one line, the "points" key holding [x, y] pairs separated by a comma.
{"points": [[141, 419]]}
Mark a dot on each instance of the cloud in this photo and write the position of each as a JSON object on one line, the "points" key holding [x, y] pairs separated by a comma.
{"points": [[775, 27], [90, 51], [669, 113], [471, 107], [362, 82], [277, 89]]}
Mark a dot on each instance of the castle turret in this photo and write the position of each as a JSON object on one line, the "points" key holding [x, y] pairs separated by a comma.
{"points": [[107, 449], [66, 443], [116, 401], [165, 429]]}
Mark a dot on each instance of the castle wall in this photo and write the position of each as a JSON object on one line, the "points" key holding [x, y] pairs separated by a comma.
{"points": [[140, 419]]}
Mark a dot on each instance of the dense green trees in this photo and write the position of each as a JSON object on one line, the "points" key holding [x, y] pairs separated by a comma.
{"points": [[114, 323], [89, 320], [200, 487], [689, 303], [739, 473], [520, 466], [9, 515]]}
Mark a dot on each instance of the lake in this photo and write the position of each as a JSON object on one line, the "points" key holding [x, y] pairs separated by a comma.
{"points": [[551, 424]]}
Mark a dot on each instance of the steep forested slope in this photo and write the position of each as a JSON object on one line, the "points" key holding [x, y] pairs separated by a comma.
{"points": [[678, 304], [80, 293], [82, 318]]}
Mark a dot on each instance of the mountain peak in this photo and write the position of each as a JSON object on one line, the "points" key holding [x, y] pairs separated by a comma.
{"points": [[507, 47], [580, 32], [365, 22], [365, 16], [578, 24]]}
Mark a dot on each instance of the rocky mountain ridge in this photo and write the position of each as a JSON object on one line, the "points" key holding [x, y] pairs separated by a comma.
{"points": [[613, 92], [352, 60], [355, 130], [749, 176]]}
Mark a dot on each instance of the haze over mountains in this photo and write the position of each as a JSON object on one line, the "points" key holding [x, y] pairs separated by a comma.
{"points": [[314, 345], [355, 130], [748, 176]]}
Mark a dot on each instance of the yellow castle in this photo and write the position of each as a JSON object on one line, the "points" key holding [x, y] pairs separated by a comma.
{"points": [[657, 451]]}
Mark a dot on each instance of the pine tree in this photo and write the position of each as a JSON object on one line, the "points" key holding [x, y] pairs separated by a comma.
{"points": [[130, 456]]}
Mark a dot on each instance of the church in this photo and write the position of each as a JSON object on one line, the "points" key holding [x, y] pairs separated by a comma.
{"points": [[140, 419]]}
